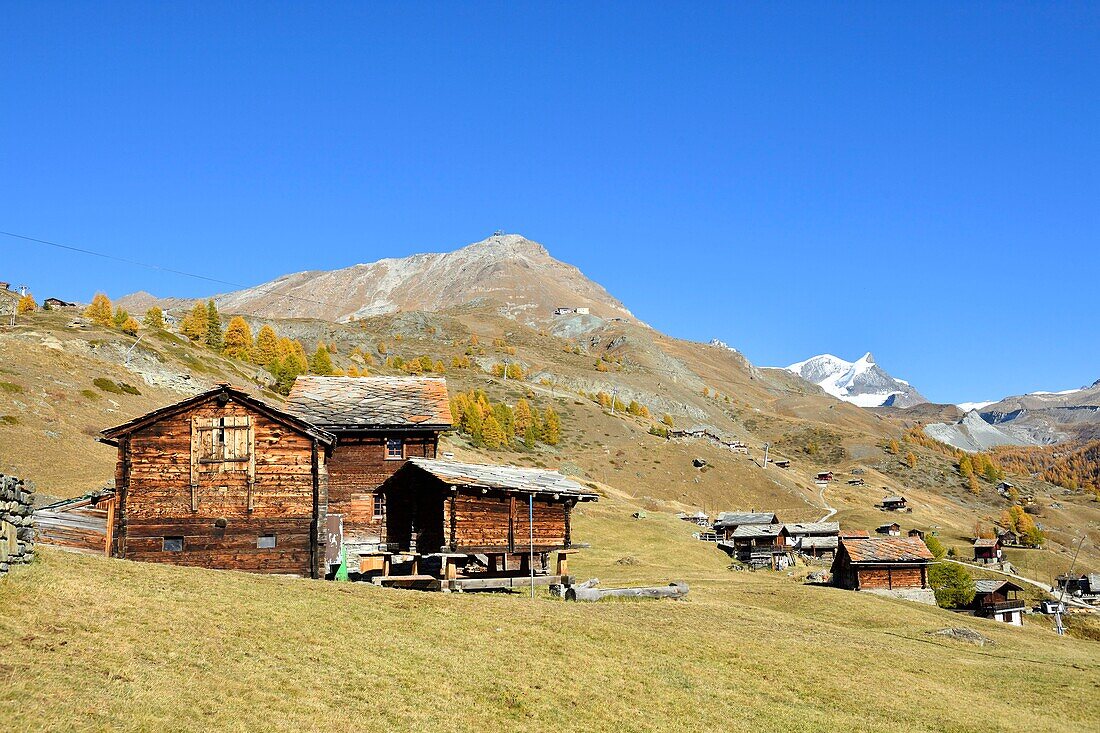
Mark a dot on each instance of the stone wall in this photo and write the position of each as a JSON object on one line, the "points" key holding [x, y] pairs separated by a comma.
{"points": [[16, 530]]}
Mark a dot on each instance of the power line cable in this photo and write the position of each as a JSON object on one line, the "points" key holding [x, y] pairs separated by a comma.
{"points": [[158, 268]]}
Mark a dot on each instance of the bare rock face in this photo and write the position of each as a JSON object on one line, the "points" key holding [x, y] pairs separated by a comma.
{"points": [[508, 270]]}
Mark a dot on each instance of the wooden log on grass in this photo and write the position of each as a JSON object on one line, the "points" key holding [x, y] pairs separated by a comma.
{"points": [[672, 590]]}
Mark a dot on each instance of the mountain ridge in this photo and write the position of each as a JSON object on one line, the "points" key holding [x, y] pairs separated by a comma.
{"points": [[517, 274]]}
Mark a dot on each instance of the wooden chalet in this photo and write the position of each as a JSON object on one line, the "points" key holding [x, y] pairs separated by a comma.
{"points": [[1085, 588], [220, 480], [782, 463], [759, 545], [890, 530], [894, 504], [728, 522], [918, 533], [824, 476], [816, 539], [881, 563], [379, 422], [999, 600], [482, 524], [987, 550], [58, 303]]}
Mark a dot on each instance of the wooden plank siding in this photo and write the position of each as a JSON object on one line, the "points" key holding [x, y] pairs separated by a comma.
{"points": [[174, 480], [357, 468], [465, 520]]}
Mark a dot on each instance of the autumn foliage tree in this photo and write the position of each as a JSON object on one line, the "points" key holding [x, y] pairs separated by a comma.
{"points": [[154, 319], [26, 304], [238, 339], [99, 312], [266, 349], [194, 324]]}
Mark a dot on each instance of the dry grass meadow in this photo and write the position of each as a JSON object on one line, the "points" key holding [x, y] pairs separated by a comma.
{"points": [[96, 644]]}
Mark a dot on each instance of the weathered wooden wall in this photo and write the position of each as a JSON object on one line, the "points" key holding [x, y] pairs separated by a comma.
{"points": [[156, 499], [80, 528], [890, 578], [472, 522], [357, 468]]}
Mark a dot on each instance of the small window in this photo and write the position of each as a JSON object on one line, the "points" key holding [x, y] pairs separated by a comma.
{"points": [[379, 506], [395, 449], [172, 544], [266, 542]]}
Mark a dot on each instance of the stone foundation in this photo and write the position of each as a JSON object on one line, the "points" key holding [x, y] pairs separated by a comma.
{"points": [[16, 527]]}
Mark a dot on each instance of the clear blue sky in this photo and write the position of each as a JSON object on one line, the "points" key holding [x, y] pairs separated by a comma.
{"points": [[918, 181]]}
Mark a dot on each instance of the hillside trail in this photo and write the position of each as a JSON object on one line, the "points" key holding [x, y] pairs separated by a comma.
{"points": [[825, 505], [1038, 584]]}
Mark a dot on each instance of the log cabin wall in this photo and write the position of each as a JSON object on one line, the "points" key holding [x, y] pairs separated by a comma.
{"points": [[467, 520], [496, 522], [357, 468], [270, 486], [891, 578]]}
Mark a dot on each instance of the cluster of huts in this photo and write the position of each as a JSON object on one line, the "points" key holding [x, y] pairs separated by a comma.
{"points": [[344, 478], [760, 540]]}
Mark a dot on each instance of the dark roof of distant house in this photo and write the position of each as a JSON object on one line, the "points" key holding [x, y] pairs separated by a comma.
{"points": [[111, 435], [512, 478], [736, 519], [893, 499], [350, 403], [992, 586], [759, 530], [983, 542], [889, 525], [886, 549]]}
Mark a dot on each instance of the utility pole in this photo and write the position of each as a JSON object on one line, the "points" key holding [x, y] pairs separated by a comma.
{"points": [[531, 527], [131, 349], [766, 447], [614, 396], [1061, 598]]}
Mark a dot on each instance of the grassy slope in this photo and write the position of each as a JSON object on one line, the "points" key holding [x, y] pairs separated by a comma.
{"points": [[94, 643]]}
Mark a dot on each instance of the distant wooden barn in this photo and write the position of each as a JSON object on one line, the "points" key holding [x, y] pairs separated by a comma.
{"points": [[759, 545], [221, 480], [379, 423], [999, 600], [727, 522], [892, 529], [881, 563], [894, 503], [987, 550]]}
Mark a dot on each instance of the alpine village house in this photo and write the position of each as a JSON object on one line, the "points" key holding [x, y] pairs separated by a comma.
{"points": [[344, 478]]}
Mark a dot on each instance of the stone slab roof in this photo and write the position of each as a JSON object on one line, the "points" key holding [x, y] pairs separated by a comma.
{"points": [[758, 530], [887, 549], [798, 528], [736, 519], [350, 403], [527, 480]]}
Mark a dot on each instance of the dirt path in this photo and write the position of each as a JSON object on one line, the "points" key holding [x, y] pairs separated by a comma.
{"points": [[825, 505]]}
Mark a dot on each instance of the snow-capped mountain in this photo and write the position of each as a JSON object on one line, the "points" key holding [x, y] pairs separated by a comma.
{"points": [[862, 382]]}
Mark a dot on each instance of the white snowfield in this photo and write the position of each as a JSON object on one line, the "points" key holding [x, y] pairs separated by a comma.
{"points": [[968, 406]]}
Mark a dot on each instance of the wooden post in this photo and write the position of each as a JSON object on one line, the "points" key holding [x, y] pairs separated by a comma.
{"points": [[110, 527], [450, 568], [563, 564], [415, 565], [386, 565]]}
